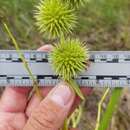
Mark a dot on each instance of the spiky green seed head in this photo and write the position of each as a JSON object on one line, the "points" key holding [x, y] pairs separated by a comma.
{"points": [[69, 58], [55, 18], [75, 3]]}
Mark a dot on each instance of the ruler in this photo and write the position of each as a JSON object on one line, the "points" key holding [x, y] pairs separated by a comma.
{"points": [[107, 69]]}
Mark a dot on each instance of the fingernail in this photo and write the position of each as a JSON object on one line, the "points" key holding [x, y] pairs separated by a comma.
{"points": [[62, 94]]}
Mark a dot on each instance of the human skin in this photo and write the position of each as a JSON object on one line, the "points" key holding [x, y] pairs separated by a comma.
{"points": [[19, 113]]}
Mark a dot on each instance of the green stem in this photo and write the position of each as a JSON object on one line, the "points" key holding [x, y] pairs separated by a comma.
{"points": [[79, 114], [65, 125], [111, 108], [35, 84], [75, 117], [76, 88]]}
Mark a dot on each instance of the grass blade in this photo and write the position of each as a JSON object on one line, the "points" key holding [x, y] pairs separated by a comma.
{"points": [[111, 108]]}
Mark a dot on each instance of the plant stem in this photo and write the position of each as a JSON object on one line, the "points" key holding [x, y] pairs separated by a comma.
{"points": [[78, 114], [65, 125], [99, 108], [35, 84], [111, 108], [76, 88]]}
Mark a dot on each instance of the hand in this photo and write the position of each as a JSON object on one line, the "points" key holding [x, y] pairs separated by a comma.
{"points": [[17, 113]]}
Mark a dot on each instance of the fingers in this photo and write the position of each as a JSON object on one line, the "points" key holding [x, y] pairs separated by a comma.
{"points": [[12, 121], [46, 48], [14, 99], [52, 111], [35, 101]]}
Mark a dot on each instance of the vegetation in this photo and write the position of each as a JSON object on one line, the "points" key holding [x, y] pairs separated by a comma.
{"points": [[71, 50], [56, 24], [19, 15], [104, 25]]}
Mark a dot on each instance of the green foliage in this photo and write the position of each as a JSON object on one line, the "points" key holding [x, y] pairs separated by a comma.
{"points": [[16, 6], [93, 26], [69, 57], [103, 14], [111, 108], [55, 18], [19, 15], [75, 3]]}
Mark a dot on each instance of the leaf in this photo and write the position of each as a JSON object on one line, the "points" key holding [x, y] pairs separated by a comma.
{"points": [[111, 108]]}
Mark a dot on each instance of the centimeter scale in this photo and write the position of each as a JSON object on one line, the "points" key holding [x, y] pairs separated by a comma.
{"points": [[107, 69]]}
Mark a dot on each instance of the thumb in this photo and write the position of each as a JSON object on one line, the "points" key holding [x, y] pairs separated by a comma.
{"points": [[53, 110]]}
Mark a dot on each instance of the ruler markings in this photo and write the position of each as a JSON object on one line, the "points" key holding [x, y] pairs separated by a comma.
{"points": [[107, 68]]}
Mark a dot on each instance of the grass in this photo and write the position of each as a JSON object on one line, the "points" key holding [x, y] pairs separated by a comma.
{"points": [[111, 108], [103, 24], [19, 14], [105, 14]]}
